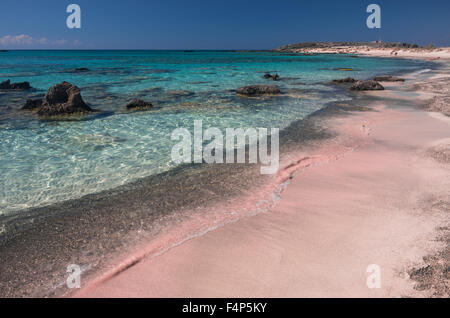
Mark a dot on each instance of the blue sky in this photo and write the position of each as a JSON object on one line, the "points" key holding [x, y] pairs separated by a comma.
{"points": [[213, 24]]}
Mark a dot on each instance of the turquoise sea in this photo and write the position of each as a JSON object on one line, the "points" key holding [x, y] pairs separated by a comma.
{"points": [[44, 162]]}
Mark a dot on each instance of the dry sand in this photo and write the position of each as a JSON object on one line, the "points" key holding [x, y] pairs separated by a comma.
{"points": [[442, 53], [384, 201]]}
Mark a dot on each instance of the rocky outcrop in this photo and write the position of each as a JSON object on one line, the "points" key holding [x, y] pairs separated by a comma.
{"points": [[138, 104], [6, 85], [388, 78], [347, 80], [367, 86], [269, 76], [32, 104], [63, 99], [258, 90]]}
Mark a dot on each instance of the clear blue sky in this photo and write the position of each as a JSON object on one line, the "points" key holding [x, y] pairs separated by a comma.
{"points": [[213, 24]]}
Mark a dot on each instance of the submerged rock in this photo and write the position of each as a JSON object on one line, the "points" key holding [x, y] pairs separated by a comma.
{"points": [[138, 104], [367, 86], [258, 90], [63, 99], [347, 69], [32, 104], [269, 76], [80, 69], [159, 71], [180, 93], [344, 80], [388, 78], [15, 86]]}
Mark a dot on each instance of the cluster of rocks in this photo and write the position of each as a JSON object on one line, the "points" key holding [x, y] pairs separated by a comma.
{"points": [[65, 99], [61, 99], [388, 78], [6, 85], [32, 104], [344, 80], [368, 85], [258, 90], [138, 104], [269, 76]]}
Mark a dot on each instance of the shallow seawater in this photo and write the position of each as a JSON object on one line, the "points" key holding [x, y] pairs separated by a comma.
{"points": [[43, 162]]}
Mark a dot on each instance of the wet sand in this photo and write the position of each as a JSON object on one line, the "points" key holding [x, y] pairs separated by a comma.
{"points": [[378, 194]]}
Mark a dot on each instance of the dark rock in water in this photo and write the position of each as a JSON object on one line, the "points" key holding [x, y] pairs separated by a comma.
{"points": [[32, 104], [23, 85], [388, 78], [61, 93], [138, 104], [180, 93], [63, 99], [5, 85], [153, 90], [15, 86], [258, 90], [80, 69], [367, 86], [348, 69], [275, 77], [344, 80], [159, 71], [3, 51]]}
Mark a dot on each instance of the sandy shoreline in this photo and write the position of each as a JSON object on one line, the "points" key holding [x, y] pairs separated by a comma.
{"points": [[418, 53], [378, 197], [208, 230]]}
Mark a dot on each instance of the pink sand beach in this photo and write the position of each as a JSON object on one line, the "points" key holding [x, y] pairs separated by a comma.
{"points": [[375, 195]]}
